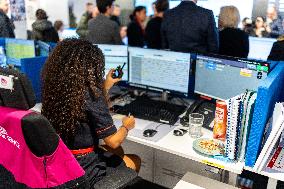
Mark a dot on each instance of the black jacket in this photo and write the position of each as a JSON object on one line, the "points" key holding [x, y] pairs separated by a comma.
{"points": [[6, 26], [277, 51], [43, 30], [135, 35], [153, 33], [190, 28], [234, 42]]}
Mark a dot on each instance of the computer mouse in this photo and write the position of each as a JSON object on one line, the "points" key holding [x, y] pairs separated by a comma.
{"points": [[149, 133], [180, 132]]}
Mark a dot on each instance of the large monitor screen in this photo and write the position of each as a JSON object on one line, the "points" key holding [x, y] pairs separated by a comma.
{"points": [[260, 48], [115, 55], [159, 70], [147, 4], [19, 48], [224, 78]]}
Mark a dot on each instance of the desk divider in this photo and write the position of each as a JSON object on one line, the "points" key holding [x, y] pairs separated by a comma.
{"points": [[270, 92]]}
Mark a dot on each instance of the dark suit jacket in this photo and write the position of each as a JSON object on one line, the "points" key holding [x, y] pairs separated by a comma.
{"points": [[135, 34], [277, 51], [153, 33], [190, 28], [102, 30], [6, 26], [234, 42]]}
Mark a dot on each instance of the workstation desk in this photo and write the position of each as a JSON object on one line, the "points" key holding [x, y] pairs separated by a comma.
{"points": [[178, 150]]}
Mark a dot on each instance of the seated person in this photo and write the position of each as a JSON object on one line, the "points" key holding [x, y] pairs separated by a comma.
{"points": [[277, 51], [75, 102]]}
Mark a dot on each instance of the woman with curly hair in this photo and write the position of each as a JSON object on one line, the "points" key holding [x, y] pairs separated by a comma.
{"points": [[74, 101]]}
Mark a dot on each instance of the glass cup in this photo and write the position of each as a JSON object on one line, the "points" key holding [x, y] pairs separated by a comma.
{"points": [[195, 125]]}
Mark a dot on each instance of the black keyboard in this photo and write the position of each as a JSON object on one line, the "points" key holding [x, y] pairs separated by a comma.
{"points": [[158, 111]]}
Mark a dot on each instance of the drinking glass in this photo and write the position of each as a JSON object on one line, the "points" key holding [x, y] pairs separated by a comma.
{"points": [[195, 125]]}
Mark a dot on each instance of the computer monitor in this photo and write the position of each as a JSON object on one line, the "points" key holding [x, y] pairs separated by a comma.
{"points": [[159, 70], [18, 48], [69, 33], [115, 55], [223, 78], [147, 4], [260, 48], [43, 48]]}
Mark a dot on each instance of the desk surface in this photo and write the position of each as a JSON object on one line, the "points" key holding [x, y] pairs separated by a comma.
{"points": [[181, 146]]}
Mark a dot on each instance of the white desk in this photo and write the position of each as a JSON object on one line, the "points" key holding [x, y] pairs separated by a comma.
{"points": [[182, 146]]}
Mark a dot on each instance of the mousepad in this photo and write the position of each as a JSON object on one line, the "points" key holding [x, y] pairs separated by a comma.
{"points": [[142, 125]]}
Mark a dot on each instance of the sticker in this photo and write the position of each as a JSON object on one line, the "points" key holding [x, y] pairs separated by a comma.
{"points": [[246, 73], [213, 164], [262, 68], [6, 82]]}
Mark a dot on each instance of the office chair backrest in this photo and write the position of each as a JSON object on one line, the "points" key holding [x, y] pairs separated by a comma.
{"points": [[15, 90], [19, 166]]}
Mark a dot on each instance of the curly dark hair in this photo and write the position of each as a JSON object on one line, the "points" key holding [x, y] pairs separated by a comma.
{"points": [[74, 67]]}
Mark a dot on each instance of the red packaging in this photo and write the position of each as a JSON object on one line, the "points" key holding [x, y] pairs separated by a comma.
{"points": [[220, 122]]}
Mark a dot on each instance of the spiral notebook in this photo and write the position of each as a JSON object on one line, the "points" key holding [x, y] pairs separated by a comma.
{"points": [[233, 125]]}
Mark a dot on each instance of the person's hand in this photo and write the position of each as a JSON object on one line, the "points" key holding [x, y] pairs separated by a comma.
{"points": [[109, 82], [128, 122]]}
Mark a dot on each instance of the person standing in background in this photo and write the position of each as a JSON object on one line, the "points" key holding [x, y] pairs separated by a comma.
{"points": [[233, 41], [277, 51], [59, 27], [43, 29], [247, 25], [135, 30], [102, 30], [153, 29], [259, 28], [6, 26], [274, 23], [82, 29], [115, 14], [190, 28]]}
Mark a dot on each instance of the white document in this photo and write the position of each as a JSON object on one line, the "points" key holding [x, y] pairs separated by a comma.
{"points": [[277, 128]]}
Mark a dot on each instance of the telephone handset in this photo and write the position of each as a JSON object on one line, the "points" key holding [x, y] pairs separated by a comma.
{"points": [[184, 120], [204, 107]]}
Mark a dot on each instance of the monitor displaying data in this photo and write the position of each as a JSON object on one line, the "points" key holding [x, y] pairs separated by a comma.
{"points": [[115, 55], [159, 70], [18, 48], [224, 78], [260, 48]]}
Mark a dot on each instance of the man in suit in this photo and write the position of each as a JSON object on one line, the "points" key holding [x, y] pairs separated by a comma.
{"points": [[102, 30], [6, 25], [190, 28]]}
